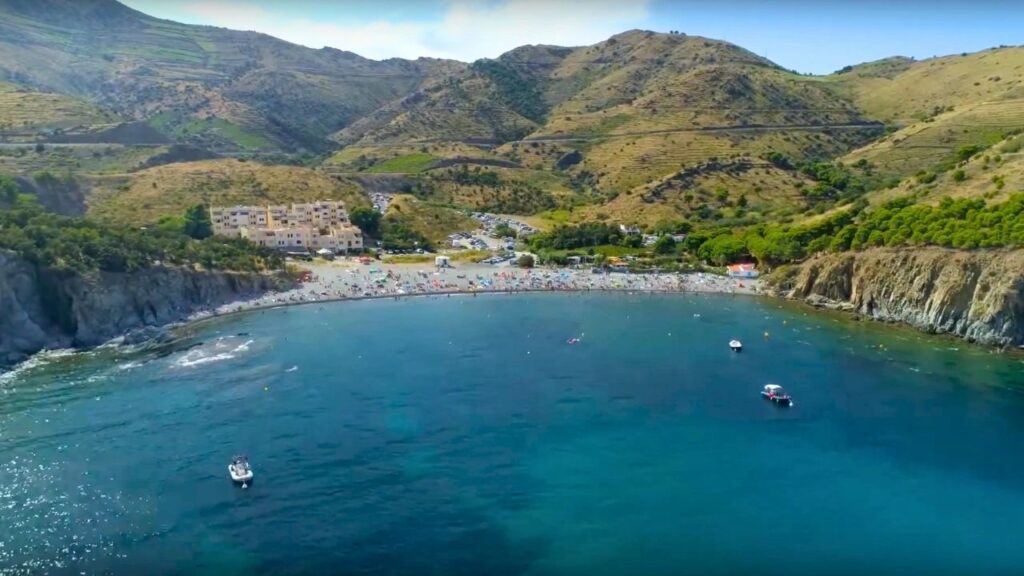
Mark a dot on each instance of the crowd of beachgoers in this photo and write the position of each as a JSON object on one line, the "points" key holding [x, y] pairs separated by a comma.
{"points": [[348, 280]]}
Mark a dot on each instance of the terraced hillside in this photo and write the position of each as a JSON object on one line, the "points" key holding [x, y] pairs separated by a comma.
{"points": [[24, 111], [250, 83], [144, 197], [640, 127], [736, 191], [993, 174], [938, 106], [610, 118]]}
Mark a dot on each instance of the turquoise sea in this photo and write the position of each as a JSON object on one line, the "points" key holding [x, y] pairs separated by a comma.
{"points": [[463, 435]]}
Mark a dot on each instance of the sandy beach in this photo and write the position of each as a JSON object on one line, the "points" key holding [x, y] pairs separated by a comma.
{"points": [[349, 280]]}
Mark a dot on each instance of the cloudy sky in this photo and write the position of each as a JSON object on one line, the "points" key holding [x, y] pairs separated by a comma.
{"points": [[805, 35]]}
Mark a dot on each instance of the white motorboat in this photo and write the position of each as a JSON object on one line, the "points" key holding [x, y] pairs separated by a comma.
{"points": [[776, 394], [240, 470], [736, 345]]}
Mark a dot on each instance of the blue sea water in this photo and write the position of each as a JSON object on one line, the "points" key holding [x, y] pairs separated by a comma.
{"points": [[465, 436]]}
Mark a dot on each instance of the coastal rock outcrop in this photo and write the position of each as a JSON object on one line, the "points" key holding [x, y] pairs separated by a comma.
{"points": [[42, 309], [978, 296]]}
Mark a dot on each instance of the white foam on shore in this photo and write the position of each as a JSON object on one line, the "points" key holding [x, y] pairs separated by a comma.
{"points": [[199, 356], [37, 360], [189, 359]]}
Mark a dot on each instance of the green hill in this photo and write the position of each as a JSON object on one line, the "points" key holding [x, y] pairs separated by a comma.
{"points": [[140, 67], [641, 127]]}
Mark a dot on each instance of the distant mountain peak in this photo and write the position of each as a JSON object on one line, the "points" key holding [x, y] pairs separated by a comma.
{"points": [[88, 12]]}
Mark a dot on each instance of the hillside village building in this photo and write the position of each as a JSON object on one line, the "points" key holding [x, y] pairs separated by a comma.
{"points": [[316, 225]]}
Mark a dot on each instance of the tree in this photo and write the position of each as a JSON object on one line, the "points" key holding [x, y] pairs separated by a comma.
{"points": [[8, 191], [664, 245], [197, 222], [367, 220], [505, 231], [599, 260], [525, 261], [632, 241]]}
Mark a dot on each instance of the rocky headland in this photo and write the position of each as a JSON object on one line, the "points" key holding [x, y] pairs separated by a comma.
{"points": [[978, 296], [42, 309]]}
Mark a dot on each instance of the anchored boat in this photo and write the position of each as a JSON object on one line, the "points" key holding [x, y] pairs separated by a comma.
{"points": [[776, 394], [240, 470], [736, 345]]}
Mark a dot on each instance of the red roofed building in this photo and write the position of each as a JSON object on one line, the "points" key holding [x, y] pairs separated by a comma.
{"points": [[743, 271]]}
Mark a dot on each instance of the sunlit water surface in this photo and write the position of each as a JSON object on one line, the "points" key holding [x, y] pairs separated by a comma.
{"points": [[465, 436]]}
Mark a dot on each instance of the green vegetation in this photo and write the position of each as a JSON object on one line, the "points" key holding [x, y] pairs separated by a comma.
{"points": [[9, 191], [525, 261], [505, 231], [197, 222], [81, 245], [962, 223], [664, 245], [210, 131], [515, 90], [399, 236], [407, 164], [508, 192], [833, 181], [584, 235], [366, 219]]}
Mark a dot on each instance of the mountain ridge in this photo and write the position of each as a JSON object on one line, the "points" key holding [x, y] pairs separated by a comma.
{"points": [[639, 126]]}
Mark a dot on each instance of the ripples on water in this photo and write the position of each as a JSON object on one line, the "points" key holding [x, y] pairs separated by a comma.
{"points": [[465, 436]]}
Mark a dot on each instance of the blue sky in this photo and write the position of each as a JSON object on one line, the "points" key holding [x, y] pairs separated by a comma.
{"points": [[817, 37]]}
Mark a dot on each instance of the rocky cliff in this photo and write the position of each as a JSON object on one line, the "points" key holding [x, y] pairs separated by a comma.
{"points": [[978, 296], [42, 309]]}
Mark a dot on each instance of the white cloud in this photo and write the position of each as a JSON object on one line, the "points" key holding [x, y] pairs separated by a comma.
{"points": [[467, 30]]}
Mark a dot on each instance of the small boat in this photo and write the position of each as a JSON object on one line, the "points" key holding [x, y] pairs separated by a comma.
{"points": [[572, 341], [736, 345], [776, 394], [240, 470]]}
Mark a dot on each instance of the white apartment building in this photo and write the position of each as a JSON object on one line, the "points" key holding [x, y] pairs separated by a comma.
{"points": [[322, 214], [338, 240], [316, 225]]}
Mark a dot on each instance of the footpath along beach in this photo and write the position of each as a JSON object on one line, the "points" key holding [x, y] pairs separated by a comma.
{"points": [[348, 280]]}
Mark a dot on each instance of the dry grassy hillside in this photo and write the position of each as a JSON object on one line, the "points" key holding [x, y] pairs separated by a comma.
{"points": [[147, 195], [433, 221], [728, 191], [142, 66], [631, 110], [993, 174], [902, 91], [22, 109], [939, 106]]}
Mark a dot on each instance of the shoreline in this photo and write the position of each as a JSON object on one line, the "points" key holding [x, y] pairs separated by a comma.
{"points": [[342, 282], [204, 317], [718, 285]]}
